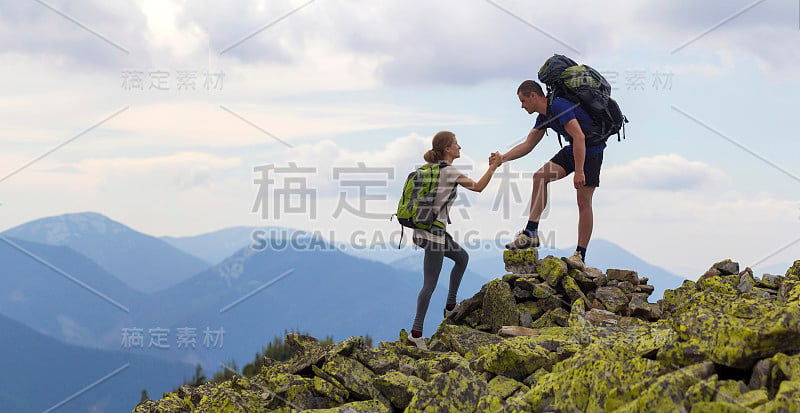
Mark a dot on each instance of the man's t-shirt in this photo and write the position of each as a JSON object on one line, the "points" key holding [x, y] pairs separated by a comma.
{"points": [[564, 111]]}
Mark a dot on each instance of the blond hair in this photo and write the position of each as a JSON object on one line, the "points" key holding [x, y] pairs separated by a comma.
{"points": [[440, 141]]}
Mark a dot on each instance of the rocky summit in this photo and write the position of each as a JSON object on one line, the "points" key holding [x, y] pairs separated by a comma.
{"points": [[550, 338]]}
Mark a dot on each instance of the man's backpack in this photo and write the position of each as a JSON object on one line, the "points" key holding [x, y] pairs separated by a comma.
{"points": [[417, 207], [582, 85]]}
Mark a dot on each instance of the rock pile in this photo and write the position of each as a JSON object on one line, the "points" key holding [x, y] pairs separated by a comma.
{"points": [[546, 337], [545, 293]]}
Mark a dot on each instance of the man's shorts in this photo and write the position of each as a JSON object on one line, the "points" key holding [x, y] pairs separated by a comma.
{"points": [[591, 165]]}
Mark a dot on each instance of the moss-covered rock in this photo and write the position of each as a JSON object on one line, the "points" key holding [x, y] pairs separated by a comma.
{"points": [[753, 399], [789, 395], [332, 390], [623, 275], [230, 396], [398, 387], [639, 307], [542, 291], [718, 407], [738, 342], [649, 340], [354, 376], [582, 382], [366, 406], [789, 366], [582, 278], [307, 352], [499, 306], [574, 291], [528, 312], [305, 394], [515, 358], [793, 273], [668, 393], [552, 270], [717, 284], [170, 403], [456, 391], [613, 299], [502, 387], [676, 299], [467, 342], [545, 320], [789, 293], [380, 360], [521, 261], [441, 363], [703, 390], [730, 390], [646, 357], [727, 267], [770, 281]]}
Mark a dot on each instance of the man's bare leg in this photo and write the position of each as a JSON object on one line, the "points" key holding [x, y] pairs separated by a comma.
{"points": [[585, 215], [549, 172]]}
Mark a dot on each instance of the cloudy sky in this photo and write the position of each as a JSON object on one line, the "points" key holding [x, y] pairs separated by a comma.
{"points": [[163, 114]]}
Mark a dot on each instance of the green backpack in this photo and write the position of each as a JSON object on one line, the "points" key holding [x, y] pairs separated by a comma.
{"points": [[417, 208], [585, 86]]}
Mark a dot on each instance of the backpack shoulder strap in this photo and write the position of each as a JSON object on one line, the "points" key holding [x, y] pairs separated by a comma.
{"points": [[453, 192], [551, 117]]}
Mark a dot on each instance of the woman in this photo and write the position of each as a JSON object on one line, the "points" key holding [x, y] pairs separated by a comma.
{"points": [[437, 243]]}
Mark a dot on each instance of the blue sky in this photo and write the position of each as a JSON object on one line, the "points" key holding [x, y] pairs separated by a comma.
{"points": [[338, 83]]}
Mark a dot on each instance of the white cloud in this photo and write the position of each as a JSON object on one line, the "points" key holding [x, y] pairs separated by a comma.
{"points": [[315, 77], [164, 31], [178, 172], [189, 123], [670, 172], [396, 42]]}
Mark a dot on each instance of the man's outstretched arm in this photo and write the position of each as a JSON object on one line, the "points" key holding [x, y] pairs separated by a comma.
{"points": [[524, 148]]}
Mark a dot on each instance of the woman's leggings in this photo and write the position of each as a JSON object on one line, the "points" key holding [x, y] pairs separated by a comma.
{"points": [[432, 265]]}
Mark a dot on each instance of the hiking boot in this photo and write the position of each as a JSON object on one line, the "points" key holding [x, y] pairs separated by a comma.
{"points": [[575, 261], [523, 241], [449, 313], [418, 341]]}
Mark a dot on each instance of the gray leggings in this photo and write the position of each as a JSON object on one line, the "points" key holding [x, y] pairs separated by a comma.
{"points": [[432, 265]]}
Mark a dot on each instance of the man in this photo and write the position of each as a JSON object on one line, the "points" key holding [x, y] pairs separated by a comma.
{"points": [[569, 120]]}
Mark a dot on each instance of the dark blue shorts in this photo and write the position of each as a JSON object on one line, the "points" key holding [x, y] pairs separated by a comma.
{"points": [[591, 165]]}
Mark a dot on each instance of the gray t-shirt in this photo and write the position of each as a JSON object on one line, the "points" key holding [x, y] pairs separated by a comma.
{"points": [[447, 181]]}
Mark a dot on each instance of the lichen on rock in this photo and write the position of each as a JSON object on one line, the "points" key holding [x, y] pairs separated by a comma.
{"points": [[545, 338]]}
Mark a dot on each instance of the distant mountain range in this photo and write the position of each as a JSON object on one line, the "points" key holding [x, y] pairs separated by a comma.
{"points": [[40, 373], [256, 295], [63, 294], [216, 246], [54, 283], [66, 295], [142, 262]]}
